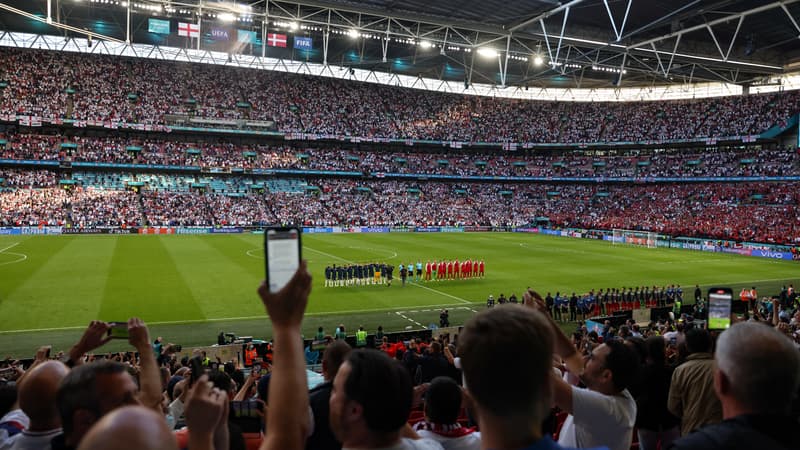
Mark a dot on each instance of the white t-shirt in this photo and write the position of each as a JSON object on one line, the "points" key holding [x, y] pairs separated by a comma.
{"points": [[470, 441], [599, 420], [34, 440], [413, 444], [17, 417]]}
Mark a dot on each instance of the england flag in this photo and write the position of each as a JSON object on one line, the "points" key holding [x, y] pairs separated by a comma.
{"points": [[191, 30]]}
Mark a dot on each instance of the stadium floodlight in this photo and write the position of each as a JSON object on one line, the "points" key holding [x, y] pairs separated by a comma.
{"points": [[227, 17], [425, 44], [294, 26], [538, 60], [353, 33], [488, 52]]}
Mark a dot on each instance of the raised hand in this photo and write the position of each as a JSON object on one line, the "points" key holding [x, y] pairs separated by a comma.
{"points": [[286, 307]]}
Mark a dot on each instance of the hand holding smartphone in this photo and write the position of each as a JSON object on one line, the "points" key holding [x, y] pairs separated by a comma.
{"points": [[719, 308], [118, 330], [282, 249]]}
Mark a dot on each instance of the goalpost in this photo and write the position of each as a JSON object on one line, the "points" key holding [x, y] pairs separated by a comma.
{"points": [[633, 237]]}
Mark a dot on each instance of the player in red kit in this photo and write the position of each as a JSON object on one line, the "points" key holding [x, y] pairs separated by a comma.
{"points": [[449, 269], [481, 268], [456, 269], [428, 269], [442, 274]]}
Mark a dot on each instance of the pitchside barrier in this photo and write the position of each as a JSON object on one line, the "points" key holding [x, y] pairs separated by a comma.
{"points": [[650, 240]]}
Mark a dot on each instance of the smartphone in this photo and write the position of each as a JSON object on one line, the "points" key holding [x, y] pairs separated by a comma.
{"points": [[719, 308], [118, 330], [246, 415], [282, 255], [246, 408], [197, 370]]}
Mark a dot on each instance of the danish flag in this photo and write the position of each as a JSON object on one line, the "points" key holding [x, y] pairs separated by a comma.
{"points": [[191, 30], [276, 40]]}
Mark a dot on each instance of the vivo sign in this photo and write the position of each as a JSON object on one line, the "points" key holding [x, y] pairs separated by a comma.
{"points": [[771, 254]]}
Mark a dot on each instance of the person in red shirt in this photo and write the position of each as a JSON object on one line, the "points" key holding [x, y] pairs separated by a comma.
{"points": [[475, 269], [456, 269], [442, 270], [428, 269], [481, 268], [449, 269]]}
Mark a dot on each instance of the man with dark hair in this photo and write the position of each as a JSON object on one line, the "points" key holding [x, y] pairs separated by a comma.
{"points": [[443, 399], [89, 392], [510, 415], [691, 392], [370, 403], [756, 373], [322, 437], [605, 412], [433, 363]]}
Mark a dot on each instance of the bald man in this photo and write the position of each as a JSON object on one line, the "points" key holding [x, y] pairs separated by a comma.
{"points": [[37, 398], [756, 375], [130, 428]]}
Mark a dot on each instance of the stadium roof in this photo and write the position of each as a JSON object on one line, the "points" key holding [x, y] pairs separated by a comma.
{"points": [[536, 43]]}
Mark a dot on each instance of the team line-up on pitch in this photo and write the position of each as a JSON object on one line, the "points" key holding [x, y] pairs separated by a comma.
{"points": [[382, 273]]}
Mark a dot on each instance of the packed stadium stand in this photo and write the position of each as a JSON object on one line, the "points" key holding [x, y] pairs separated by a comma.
{"points": [[100, 87]]}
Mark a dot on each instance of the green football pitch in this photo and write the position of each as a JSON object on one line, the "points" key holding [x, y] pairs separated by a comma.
{"points": [[189, 288]]}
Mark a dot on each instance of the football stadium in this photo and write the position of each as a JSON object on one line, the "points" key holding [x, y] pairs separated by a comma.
{"points": [[536, 224]]}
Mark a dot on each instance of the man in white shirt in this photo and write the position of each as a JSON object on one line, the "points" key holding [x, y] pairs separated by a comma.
{"points": [[605, 412]]}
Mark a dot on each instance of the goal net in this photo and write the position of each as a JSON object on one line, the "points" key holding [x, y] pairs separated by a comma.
{"points": [[632, 237]]}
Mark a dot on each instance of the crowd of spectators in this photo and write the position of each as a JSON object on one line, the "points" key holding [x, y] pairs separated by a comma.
{"points": [[756, 212], [88, 208], [225, 154], [146, 92]]}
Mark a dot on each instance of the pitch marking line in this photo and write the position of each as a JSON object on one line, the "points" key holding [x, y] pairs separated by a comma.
{"points": [[21, 256], [376, 250], [250, 253], [224, 319], [10, 246], [329, 255], [440, 292], [410, 320]]}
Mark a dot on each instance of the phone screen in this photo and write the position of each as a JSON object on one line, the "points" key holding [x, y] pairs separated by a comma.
{"points": [[118, 330], [246, 408], [282, 250], [719, 308], [247, 415]]}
